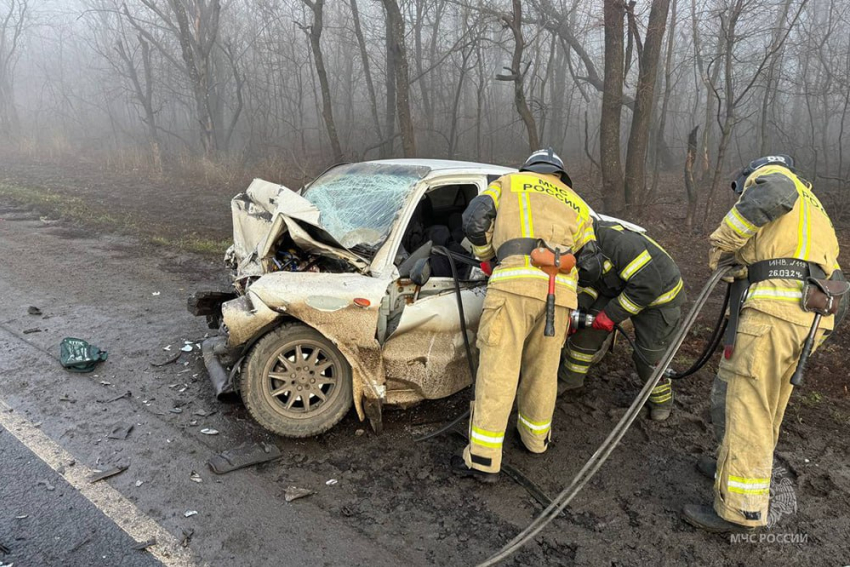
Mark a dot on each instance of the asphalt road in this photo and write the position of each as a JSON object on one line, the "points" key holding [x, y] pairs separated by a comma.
{"points": [[133, 305], [46, 521]]}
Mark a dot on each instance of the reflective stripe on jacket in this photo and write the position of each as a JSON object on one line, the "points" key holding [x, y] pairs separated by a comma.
{"points": [[528, 205], [638, 273], [778, 216]]}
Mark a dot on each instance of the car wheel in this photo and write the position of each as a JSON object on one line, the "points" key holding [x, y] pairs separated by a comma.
{"points": [[296, 383]]}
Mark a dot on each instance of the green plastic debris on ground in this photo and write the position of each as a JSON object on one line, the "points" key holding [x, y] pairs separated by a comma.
{"points": [[79, 356]]}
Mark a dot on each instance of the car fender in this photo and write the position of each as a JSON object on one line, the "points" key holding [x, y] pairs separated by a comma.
{"points": [[326, 302]]}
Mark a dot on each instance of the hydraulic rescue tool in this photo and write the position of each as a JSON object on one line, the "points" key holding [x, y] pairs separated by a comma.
{"points": [[553, 262]]}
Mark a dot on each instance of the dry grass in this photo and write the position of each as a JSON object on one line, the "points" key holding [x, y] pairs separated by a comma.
{"points": [[81, 212]]}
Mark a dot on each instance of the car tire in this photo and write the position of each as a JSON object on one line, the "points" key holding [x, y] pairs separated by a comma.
{"points": [[292, 397]]}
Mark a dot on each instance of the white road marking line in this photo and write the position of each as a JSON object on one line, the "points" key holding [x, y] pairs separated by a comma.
{"points": [[121, 511]]}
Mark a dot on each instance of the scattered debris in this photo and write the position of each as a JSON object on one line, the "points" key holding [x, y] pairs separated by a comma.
{"points": [[169, 360], [186, 348], [190, 513], [142, 546], [209, 431], [187, 537], [155, 293], [76, 355], [243, 456], [101, 475], [5, 551], [176, 410], [33, 330], [33, 310], [80, 544], [360, 432], [331, 482], [47, 485], [139, 483], [126, 394], [202, 413], [168, 348], [294, 493], [22, 517], [195, 477], [105, 383], [120, 431], [67, 398]]}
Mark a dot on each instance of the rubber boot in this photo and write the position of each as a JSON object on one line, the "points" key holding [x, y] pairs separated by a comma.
{"points": [[706, 519], [569, 381], [707, 467], [661, 400], [459, 468]]}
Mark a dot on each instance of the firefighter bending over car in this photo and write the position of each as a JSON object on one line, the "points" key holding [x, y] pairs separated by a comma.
{"points": [[626, 274], [781, 233], [508, 221]]}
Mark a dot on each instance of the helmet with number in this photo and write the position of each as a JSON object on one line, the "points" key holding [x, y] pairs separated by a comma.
{"points": [[547, 161], [778, 159]]}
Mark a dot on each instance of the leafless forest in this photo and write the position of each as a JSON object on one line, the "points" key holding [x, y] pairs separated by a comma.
{"points": [[626, 91]]}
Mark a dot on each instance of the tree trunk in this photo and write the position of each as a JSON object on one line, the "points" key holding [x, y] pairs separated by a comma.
{"points": [[367, 74], [635, 179], [769, 87], [690, 179], [315, 34], [395, 22], [514, 22], [390, 109], [612, 106], [196, 43]]}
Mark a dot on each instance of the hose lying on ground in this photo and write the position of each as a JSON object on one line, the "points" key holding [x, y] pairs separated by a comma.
{"points": [[616, 435]]}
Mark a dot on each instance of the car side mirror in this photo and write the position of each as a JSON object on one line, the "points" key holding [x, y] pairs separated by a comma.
{"points": [[421, 272]]}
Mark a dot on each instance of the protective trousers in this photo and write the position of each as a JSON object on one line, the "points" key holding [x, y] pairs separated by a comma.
{"points": [[513, 350], [758, 387], [653, 330]]}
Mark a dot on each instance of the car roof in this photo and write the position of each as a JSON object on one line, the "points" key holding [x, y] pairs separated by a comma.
{"points": [[448, 166]]}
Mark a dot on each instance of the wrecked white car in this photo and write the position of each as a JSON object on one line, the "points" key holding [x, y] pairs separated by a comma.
{"points": [[324, 314]]}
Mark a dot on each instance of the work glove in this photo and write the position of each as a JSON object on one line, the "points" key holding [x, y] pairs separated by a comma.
{"points": [[603, 323], [487, 267], [717, 256]]}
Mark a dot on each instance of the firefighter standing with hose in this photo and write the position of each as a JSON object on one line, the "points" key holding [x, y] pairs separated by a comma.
{"points": [[626, 274], [517, 214], [783, 236]]}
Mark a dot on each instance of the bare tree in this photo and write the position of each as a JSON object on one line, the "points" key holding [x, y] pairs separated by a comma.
{"points": [[314, 32], [612, 106], [516, 74], [635, 178], [395, 40], [15, 18]]}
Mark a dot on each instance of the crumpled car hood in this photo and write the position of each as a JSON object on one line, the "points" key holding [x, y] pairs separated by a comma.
{"points": [[264, 213]]}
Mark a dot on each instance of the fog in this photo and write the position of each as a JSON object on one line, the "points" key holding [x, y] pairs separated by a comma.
{"points": [[312, 82]]}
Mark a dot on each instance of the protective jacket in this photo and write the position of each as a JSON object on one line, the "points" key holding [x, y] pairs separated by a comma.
{"points": [[637, 274], [778, 216], [528, 205]]}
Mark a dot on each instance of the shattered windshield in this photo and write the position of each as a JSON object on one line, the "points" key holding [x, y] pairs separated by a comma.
{"points": [[360, 202]]}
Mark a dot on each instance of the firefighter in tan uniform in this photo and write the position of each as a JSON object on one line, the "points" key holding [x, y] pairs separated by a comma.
{"points": [[777, 228], [508, 221]]}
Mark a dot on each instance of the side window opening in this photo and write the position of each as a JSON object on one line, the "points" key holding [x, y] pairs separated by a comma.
{"points": [[437, 219]]}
